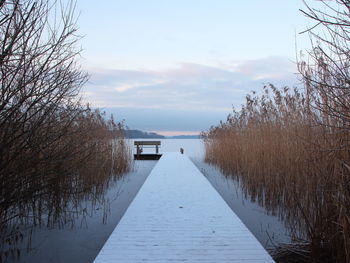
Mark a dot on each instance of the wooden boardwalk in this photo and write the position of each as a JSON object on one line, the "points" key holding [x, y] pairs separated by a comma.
{"points": [[177, 216]]}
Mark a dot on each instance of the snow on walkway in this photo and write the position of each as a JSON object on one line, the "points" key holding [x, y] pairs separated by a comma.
{"points": [[177, 216]]}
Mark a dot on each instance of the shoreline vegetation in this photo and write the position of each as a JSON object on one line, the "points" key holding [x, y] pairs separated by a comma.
{"points": [[57, 156], [290, 148]]}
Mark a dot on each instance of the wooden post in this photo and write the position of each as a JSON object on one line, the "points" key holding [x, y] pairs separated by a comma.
{"points": [[157, 149], [138, 149]]}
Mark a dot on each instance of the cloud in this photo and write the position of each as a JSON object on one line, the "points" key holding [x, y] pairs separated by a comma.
{"points": [[189, 96], [149, 119], [274, 68], [188, 86]]}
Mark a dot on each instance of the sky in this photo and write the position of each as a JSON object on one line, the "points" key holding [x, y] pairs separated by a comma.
{"points": [[178, 67]]}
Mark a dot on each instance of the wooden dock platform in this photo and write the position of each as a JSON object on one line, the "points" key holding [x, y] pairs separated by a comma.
{"points": [[147, 156], [177, 216]]}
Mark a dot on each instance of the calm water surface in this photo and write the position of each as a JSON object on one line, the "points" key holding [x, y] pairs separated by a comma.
{"points": [[268, 229], [82, 242]]}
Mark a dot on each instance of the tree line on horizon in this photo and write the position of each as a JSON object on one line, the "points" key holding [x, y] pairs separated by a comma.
{"points": [[138, 134]]}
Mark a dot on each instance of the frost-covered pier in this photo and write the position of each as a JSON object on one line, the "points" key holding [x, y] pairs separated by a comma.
{"points": [[177, 216]]}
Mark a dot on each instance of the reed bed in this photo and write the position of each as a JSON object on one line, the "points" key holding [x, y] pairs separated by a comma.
{"points": [[59, 178], [292, 165], [57, 156], [291, 148]]}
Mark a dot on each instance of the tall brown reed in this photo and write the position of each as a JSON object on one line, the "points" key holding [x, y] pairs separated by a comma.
{"points": [[54, 181], [291, 149], [55, 153], [291, 165]]}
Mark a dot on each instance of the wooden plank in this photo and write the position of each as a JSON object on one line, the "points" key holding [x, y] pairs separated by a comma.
{"points": [[178, 216], [147, 142], [147, 156]]}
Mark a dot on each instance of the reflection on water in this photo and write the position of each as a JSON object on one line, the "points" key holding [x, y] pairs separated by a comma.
{"points": [[80, 242], [268, 229]]}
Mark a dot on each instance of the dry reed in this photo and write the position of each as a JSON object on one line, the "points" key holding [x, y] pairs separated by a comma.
{"points": [[55, 154], [291, 148], [54, 182], [291, 165]]}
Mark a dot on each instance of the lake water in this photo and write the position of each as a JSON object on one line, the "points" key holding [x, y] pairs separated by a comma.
{"points": [[82, 242]]}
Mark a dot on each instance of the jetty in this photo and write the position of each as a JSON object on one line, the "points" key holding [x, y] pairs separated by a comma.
{"points": [[177, 216]]}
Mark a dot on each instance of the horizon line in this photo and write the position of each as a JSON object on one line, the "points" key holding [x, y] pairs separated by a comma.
{"points": [[175, 133]]}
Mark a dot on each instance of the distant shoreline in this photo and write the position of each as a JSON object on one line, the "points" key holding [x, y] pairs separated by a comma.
{"points": [[137, 134]]}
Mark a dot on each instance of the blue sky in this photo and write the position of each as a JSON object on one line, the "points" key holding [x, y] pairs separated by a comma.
{"points": [[179, 66]]}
